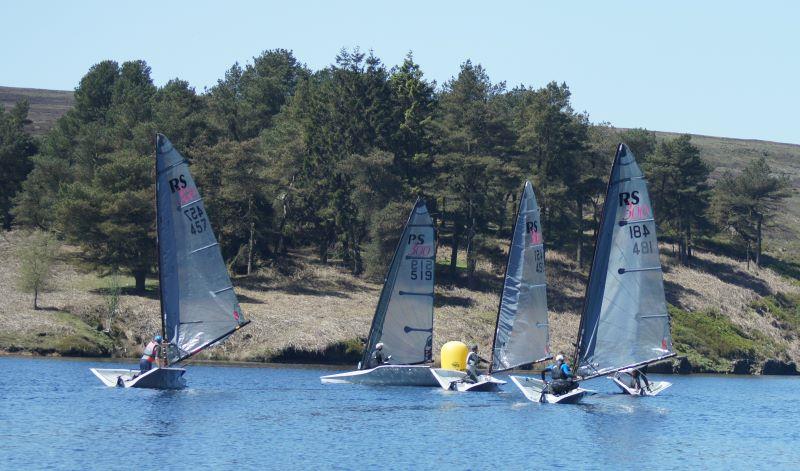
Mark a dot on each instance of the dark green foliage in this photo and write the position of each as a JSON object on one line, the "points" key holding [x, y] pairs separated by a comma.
{"points": [[93, 181], [641, 142], [711, 341], [111, 216], [679, 191], [386, 226], [245, 101], [785, 307], [472, 189], [16, 149], [332, 159], [235, 190], [745, 203]]}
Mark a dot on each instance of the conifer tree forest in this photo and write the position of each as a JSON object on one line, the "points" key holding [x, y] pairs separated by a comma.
{"points": [[332, 160]]}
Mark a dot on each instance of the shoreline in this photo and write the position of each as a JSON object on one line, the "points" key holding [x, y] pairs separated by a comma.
{"points": [[323, 366]]}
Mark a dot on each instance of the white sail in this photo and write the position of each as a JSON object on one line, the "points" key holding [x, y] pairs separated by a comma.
{"points": [[403, 320], [625, 321], [199, 306], [522, 333]]}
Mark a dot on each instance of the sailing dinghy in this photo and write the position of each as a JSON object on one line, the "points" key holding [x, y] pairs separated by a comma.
{"points": [[625, 324], [198, 305], [521, 329], [403, 320]]}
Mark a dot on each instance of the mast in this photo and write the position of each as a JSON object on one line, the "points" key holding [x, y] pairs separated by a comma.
{"points": [[505, 276], [158, 257], [581, 325]]}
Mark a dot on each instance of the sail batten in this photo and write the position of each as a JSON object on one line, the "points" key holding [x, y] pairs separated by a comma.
{"points": [[521, 332], [625, 281], [196, 313], [403, 319]]}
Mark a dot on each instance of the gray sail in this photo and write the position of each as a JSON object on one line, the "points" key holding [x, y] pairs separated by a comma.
{"points": [[198, 305], [522, 333], [625, 321], [403, 320]]}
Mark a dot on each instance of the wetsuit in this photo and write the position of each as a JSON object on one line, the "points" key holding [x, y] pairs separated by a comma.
{"points": [[561, 379], [472, 367], [376, 359], [636, 378]]}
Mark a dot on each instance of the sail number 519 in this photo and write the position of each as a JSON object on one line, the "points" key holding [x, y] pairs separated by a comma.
{"points": [[422, 270]]}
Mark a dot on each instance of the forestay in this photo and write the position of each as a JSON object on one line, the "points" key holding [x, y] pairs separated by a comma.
{"points": [[625, 321], [522, 333], [403, 320], [198, 304]]}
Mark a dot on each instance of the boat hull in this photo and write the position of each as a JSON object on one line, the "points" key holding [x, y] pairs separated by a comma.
{"points": [[386, 375], [451, 380], [656, 387], [532, 389], [157, 378]]}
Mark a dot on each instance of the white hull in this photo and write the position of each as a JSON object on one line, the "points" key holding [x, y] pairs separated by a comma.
{"points": [[532, 389], [157, 378], [655, 387], [451, 380], [386, 375]]}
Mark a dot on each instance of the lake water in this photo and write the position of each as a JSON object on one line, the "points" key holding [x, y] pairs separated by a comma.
{"points": [[56, 414]]}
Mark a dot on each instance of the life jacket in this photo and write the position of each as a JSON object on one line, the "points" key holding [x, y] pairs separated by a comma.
{"points": [[472, 359], [557, 373], [149, 352]]}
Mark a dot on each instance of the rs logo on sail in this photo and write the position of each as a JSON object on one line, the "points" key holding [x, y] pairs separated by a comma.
{"points": [[626, 198], [176, 184]]}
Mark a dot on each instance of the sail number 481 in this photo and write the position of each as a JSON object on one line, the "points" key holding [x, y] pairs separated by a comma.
{"points": [[643, 247], [637, 231]]}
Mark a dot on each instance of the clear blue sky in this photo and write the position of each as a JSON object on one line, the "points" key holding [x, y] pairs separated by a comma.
{"points": [[719, 68]]}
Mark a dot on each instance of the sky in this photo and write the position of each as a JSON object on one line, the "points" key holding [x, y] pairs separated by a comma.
{"points": [[706, 67]]}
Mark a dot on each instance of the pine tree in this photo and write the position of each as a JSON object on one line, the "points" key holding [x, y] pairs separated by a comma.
{"points": [[745, 203], [679, 190], [554, 139], [16, 149]]}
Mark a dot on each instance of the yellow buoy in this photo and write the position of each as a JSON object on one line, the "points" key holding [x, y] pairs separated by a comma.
{"points": [[454, 356]]}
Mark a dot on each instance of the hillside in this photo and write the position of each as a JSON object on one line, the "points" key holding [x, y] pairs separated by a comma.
{"points": [[724, 317], [733, 154], [46, 106]]}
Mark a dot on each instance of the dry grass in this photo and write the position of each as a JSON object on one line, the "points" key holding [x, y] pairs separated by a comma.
{"points": [[727, 286], [308, 307]]}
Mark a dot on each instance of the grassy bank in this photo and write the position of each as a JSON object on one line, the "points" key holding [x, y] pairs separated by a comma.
{"points": [[725, 318]]}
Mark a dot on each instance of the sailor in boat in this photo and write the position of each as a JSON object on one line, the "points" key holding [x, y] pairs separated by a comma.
{"points": [[561, 378], [473, 359], [634, 379], [378, 358], [151, 354]]}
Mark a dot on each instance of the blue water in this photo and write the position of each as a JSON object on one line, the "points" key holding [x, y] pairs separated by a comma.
{"points": [[56, 414]]}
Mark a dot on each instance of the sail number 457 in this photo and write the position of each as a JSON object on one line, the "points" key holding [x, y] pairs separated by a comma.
{"points": [[197, 221]]}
